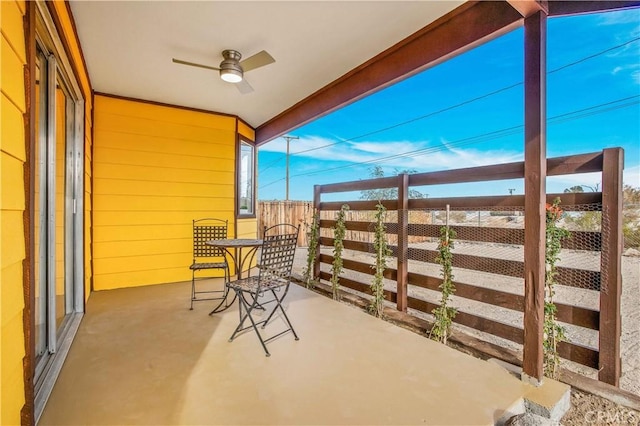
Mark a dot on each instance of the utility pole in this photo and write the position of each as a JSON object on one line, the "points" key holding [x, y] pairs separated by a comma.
{"points": [[288, 138]]}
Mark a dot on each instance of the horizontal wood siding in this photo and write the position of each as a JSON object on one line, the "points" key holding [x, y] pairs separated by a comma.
{"points": [[12, 207], [156, 168]]}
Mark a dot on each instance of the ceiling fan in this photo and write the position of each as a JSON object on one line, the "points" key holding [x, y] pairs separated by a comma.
{"points": [[232, 69]]}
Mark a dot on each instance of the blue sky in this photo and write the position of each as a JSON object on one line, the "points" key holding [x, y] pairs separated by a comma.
{"points": [[469, 112]]}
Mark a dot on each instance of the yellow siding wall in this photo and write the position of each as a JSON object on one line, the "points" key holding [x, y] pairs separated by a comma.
{"points": [[76, 56], [156, 168], [12, 205]]}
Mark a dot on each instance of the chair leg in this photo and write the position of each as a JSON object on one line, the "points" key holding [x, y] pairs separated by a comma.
{"points": [[286, 318], [248, 310], [193, 287]]}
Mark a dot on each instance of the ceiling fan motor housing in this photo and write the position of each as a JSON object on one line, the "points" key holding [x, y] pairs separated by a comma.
{"points": [[230, 69]]}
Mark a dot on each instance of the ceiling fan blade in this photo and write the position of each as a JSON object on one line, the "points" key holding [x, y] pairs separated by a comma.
{"points": [[258, 60], [244, 87], [193, 64]]}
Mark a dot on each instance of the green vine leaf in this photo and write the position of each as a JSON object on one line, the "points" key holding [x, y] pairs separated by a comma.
{"points": [[554, 333], [444, 314], [382, 251], [313, 236], [339, 233]]}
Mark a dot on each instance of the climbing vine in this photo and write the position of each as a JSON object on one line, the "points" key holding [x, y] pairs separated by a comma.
{"points": [[376, 307], [313, 236], [338, 245], [444, 313], [554, 333]]}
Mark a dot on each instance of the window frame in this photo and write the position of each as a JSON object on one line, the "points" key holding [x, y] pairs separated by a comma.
{"points": [[242, 140]]}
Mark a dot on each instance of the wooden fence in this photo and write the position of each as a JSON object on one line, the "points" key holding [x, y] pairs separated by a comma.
{"points": [[606, 281]]}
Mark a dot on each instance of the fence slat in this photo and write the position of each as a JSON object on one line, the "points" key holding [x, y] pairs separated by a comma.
{"points": [[611, 267]]}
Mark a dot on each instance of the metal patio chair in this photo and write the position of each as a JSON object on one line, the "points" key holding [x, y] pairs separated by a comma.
{"points": [[274, 276], [206, 257]]}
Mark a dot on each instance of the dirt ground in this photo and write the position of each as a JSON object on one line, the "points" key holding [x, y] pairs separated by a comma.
{"points": [[586, 408]]}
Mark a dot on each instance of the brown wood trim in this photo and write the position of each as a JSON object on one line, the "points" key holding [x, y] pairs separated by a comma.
{"points": [[77, 40], [363, 268], [535, 173], [578, 353], [564, 7], [358, 205], [529, 7], [566, 313], [457, 31], [571, 351], [611, 267], [162, 104], [239, 139], [27, 413], [402, 249], [358, 286], [485, 325], [582, 163]]}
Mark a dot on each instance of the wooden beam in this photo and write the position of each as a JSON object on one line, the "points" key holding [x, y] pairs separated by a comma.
{"points": [[611, 267], [463, 28], [527, 8], [535, 173]]}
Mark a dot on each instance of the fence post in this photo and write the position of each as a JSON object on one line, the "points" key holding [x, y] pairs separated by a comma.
{"points": [[611, 267], [535, 173], [403, 241], [317, 189]]}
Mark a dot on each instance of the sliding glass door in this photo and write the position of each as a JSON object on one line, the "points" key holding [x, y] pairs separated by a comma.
{"points": [[58, 162]]}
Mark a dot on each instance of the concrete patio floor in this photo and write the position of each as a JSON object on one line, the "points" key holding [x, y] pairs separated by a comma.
{"points": [[142, 357]]}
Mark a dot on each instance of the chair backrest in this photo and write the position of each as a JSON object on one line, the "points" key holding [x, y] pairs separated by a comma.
{"points": [[205, 230], [278, 250]]}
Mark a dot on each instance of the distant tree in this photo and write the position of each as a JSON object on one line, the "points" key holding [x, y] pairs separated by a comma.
{"points": [[577, 188], [388, 193]]}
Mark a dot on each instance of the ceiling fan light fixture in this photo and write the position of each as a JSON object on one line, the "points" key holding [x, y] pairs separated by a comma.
{"points": [[231, 75]]}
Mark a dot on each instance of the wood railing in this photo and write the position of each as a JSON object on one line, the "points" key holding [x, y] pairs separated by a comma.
{"points": [[605, 278]]}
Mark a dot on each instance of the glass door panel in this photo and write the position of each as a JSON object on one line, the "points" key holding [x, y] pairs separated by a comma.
{"points": [[60, 195], [40, 206]]}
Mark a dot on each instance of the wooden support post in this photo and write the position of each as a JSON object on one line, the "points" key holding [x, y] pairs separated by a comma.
{"points": [[535, 173], [316, 207], [611, 266], [403, 240]]}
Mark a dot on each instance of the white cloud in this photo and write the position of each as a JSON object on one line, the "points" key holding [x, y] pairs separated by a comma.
{"points": [[631, 176]]}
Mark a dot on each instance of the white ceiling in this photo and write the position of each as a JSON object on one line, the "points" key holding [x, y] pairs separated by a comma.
{"points": [[128, 47]]}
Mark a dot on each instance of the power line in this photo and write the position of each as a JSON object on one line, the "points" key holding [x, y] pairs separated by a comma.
{"points": [[486, 95], [561, 118], [273, 163]]}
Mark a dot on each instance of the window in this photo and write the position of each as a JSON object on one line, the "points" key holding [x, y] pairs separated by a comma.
{"points": [[246, 173]]}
